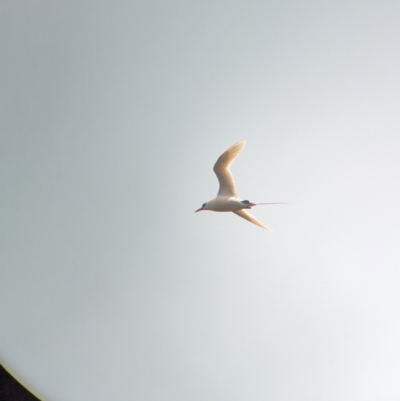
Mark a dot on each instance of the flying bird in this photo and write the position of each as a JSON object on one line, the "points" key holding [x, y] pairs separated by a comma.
{"points": [[226, 199]]}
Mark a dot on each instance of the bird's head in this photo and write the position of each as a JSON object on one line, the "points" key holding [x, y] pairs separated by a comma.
{"points": [[203, 207]]}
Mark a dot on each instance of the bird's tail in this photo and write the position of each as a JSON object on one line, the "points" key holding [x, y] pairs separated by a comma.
{"points": [[272, 203]]}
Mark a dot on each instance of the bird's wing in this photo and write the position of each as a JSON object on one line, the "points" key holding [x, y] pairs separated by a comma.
{"points": [[221, 169], [247, 216]]}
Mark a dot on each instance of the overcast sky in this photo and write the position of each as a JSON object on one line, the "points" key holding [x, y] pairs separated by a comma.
{"points": [[112, 114]]}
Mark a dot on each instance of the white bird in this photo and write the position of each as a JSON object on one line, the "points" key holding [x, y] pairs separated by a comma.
{"points": [[226, 199]]}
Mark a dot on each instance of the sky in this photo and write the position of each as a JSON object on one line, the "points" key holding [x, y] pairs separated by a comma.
{"points": [[112, 114]]}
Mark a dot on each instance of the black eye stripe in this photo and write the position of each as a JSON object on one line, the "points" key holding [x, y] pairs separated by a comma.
{"points": [[246, 201]]}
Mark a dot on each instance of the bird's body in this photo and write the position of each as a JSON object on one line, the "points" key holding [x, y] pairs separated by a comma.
{"points": [[226, 199], [223, 203]]}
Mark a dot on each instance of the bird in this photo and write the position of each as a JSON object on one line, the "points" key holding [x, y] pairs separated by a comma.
{"points": [[226, 199]]}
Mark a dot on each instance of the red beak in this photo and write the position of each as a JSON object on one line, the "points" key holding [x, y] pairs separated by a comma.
{"points": [[198, 210]]}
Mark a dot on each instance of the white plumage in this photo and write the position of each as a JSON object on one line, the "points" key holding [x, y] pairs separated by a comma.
{"points": [[226, 199]]}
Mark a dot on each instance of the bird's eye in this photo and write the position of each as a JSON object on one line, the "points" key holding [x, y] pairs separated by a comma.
{"points": [[203, 205]]}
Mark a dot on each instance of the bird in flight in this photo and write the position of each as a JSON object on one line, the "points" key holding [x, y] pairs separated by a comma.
{"points": [[226, 199]]}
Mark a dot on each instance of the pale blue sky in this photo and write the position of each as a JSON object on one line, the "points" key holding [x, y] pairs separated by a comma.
{"points": [[112, 116]]}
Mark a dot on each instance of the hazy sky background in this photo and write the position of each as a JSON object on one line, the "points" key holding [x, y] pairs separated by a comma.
{"points": [[112, 116]]}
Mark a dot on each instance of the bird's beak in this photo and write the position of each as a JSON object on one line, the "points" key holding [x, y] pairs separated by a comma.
{"points": [[198, 210]]}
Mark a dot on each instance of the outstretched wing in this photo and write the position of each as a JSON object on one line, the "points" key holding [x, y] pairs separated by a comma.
{"points": [[221, 169], [247, 216]]}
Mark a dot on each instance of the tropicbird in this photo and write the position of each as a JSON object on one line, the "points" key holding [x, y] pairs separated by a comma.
{"points": [[226, 199]]}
